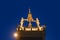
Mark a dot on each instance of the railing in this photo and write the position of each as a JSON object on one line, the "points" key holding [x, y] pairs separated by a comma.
{"points": [[31, 29]]}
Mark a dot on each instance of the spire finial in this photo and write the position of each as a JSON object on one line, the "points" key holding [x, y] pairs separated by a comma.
{"points": [[29, 10]]}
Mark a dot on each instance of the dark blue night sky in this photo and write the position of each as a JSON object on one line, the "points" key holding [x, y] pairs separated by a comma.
{"points": [[11, 11]]}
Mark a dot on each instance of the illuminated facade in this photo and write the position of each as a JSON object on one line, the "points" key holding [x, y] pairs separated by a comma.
{"points": [[29, 32]]}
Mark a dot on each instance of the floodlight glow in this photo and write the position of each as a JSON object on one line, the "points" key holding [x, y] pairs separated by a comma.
{"points": [[15, 35]]}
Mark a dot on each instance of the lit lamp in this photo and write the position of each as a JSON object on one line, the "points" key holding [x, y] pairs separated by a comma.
{"points": [[15, 35]]}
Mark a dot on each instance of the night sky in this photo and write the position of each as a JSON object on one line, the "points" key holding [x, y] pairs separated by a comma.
{"points": [[11, 11]]}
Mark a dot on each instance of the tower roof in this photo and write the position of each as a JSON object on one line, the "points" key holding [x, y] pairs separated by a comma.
{"points": [[30, 20]]}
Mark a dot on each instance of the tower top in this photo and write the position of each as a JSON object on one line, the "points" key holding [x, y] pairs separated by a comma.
{"points": [[30, 19]]}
